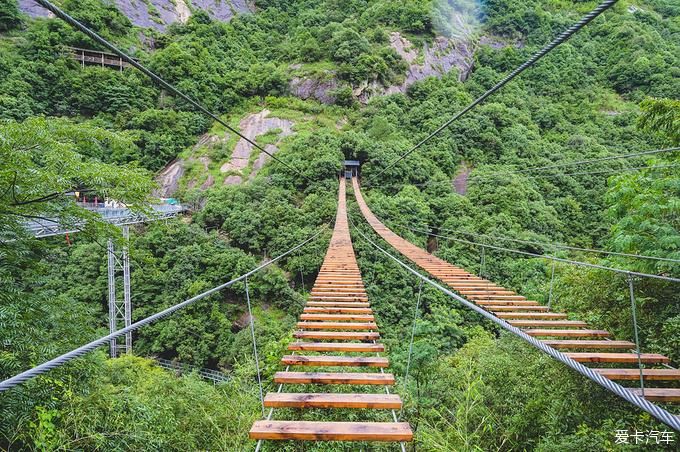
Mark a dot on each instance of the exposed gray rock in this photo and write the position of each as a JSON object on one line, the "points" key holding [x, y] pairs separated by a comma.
{"points": [[314, 88], [251, 127], [233, 180], [433, 60], [32, 9], [159, 14], [168, 179]]}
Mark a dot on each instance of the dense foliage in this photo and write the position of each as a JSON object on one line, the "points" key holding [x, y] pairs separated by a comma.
{"points": [[611, 90]]}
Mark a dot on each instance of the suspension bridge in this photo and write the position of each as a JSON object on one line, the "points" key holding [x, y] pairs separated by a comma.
{"points": [[338, 331], [339, 314]]}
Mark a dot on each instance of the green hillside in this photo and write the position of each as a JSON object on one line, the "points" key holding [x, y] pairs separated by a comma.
{"points": [[508, 169]]}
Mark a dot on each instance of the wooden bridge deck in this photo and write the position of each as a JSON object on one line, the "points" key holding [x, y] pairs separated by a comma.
{"points": [[339, 314], [538, 321]]}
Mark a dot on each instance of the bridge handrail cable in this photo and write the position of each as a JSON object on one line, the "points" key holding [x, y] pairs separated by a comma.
{"points": [[545, 256], [66, 357], [656, 411]]}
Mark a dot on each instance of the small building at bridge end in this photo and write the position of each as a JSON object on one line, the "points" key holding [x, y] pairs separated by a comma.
{"points": [[351, 168]]}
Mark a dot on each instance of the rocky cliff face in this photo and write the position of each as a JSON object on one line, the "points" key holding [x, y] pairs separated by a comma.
{"points": [[432, 60], [159, 14]]}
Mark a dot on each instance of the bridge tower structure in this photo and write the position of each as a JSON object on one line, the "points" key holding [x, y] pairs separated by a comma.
{"points": [[120, 308]]}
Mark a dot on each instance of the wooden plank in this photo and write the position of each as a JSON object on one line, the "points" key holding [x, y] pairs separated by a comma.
{"points": [[634, 374], [334, 378], [326, 360], [336, 326], [488, 292], [338, 335], [548, 323], [660, 394], [588, 344], [647, 358], [497, 297], [506, 303], [336, 347], [337, 291], [334, 317], [517, 308], [332, 400], [337, 304], [340, 310], [331, 431], [531, 315], [567, 333], [347, 298]]}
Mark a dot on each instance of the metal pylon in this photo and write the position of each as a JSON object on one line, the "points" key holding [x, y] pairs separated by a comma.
{"points": [[120, 311]]}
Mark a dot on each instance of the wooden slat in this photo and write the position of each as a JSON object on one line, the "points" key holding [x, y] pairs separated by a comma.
{"points": [[331, 431], [660, 394], [332, 400], [517, 308], [336, 347], [567, 333], [634, 374], [548, 323], [338, 335], [363, 298], [334, 378], [325, 360], [498, 297], [506, 303], [336, 326], [589, 344], [334, 317], [323, 291], [340, 310], [338, 304], [648, 358], [531, 315]]}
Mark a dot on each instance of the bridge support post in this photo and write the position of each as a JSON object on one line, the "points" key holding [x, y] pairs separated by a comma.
{"points": [[120, 311], [631, 292], [552, 283]]}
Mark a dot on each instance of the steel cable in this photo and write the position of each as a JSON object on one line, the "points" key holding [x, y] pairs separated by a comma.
{"points": [[544, 256], [66, 357], [656, 411], [559, 246], [93, 35], [568, 33]]}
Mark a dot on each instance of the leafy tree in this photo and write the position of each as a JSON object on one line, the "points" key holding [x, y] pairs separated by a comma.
{"points": [[9, 15], [661, 116], [43, 165]]}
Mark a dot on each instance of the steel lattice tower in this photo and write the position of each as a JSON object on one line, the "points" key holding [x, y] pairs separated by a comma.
{"points": [[120, 311]]}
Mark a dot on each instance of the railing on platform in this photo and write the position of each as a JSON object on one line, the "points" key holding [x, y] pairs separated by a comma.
{"points": [[97, 57], [117, 216]]}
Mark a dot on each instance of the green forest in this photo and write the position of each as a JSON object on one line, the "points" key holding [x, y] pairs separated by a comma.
{"points": [[507, 174]]}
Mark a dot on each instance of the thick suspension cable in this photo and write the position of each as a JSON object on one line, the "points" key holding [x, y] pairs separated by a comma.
{"points": [[568, 33], [656, 411], [545, 256], [156, 78], [558, 245], [66, 357]]}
